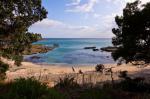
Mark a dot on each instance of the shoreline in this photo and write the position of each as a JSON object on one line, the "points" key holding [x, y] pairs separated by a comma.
{"points": [[52, 73], [63, 64]]}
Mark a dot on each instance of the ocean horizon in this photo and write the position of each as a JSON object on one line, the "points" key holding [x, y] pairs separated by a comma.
{"points": [[71, 51]]}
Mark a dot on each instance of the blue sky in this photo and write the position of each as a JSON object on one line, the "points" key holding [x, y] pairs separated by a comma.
{"points": [[79, 18]]}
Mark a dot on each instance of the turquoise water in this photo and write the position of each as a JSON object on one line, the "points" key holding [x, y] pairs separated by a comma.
{"points": [[71, 51]]}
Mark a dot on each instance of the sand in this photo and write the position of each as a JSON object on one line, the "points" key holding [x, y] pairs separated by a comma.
{"points": [[51, 73]]}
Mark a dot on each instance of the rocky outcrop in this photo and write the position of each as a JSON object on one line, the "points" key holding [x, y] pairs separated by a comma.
{"points": [[90, 47], [35, 57], [109, 49], [38, 49], [95, 49]]}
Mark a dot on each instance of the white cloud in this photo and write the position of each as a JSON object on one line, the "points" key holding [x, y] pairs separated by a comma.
{"points": [[118, 1], [74, 2], [48, 23], [86, 7], [96, 15], [99, 28], [54, 28], [76, 6], [143, 1], [108, 21]]}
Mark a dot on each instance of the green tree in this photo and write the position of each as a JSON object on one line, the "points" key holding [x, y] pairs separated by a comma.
{"points": [[132, 35], [16, 17]]}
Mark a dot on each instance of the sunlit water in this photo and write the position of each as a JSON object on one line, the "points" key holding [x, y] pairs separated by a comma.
{"points": [[71, 52]]}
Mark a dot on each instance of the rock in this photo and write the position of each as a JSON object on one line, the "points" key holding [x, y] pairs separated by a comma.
{"points": [[35, 49], [35, 57], [107, 56], [95, 49], [109, 49], [90, 47]]}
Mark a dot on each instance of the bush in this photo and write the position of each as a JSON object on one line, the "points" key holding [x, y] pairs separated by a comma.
{"points": [[67, 82], [134, 85], [95, 93], [18, 60], [3, 68], [28, 89], [123, 74], [99, 68]]}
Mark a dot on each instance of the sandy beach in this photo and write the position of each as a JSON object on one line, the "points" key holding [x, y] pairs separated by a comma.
{"points": [[51, 73]]}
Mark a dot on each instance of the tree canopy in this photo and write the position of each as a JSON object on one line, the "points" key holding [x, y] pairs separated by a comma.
{"points": [[16, 16], [132, 35]]}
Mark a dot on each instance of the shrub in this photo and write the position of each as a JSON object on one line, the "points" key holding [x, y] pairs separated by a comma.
{"points": [[134, 85], [18, 60], [67, 82], [123, 74], [95, 93], [3, 68], [29, 89], [99, 68]]}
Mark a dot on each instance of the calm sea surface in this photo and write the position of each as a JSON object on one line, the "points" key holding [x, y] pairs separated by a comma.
{"points": [[71, 52]]}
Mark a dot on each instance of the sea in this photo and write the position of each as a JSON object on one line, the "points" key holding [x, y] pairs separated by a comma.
{"points": [[71, 52]]}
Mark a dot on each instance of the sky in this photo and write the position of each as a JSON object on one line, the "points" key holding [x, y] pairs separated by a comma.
{"points": [[79, 18]]}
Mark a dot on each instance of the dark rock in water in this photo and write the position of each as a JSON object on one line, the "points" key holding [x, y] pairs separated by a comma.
{"points": [[90, 47], [109, 49], [35, 57], [95, 49], [107, 56]]}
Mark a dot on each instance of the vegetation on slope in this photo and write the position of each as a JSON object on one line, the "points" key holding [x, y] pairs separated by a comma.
{"points": [[68, 89], [28, 89]]}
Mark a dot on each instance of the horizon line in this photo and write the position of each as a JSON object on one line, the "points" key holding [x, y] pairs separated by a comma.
{"points": [[74, 38]]}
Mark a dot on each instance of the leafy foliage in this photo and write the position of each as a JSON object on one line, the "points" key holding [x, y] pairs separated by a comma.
{"points": [[95, 93], [33, 89], [3, 68], [14, 49], [67, 82], [132, 36], [123, 74], [28, 89], [99, 67], [134, 85], [16, 17]]}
